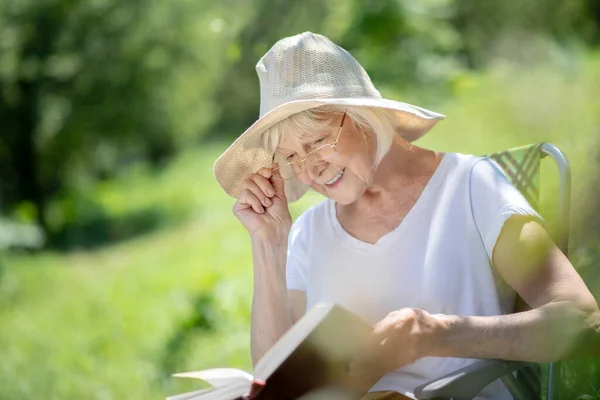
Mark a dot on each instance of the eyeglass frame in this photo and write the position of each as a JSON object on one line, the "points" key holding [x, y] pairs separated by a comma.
{"points": [[300, 162]]}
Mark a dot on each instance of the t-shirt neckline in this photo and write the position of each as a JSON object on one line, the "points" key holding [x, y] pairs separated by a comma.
{"points": [[389, 237]]}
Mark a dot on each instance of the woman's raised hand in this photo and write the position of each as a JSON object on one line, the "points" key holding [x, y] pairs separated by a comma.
{"points": [[262, 206]]}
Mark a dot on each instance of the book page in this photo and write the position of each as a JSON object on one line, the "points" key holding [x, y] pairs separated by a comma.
{"points": [[218, 376], [229, 392]]}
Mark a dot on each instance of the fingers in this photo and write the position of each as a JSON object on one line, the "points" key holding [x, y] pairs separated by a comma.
{"points": [[372, 359], [265, 172], [264, 184], [261, 188], [248, 198], [278, 182], [380, 332], [256, 388], [395, 341], [269, 181]]}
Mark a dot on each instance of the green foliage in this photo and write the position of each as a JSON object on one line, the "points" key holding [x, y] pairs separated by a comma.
{"points": [[405, 44], [237, 91], [88, 87]]}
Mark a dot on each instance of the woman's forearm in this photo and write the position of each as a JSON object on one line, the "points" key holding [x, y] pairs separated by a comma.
{"points": [[545, 334], [271, 315]]}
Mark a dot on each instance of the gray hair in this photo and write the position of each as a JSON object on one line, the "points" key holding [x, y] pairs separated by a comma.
{"points": [[370, 120]]}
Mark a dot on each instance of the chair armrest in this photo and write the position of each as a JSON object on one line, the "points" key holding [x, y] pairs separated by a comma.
{"points": [[467, 382]]}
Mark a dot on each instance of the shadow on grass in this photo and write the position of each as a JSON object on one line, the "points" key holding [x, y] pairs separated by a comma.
{"points": [[200, 321]]}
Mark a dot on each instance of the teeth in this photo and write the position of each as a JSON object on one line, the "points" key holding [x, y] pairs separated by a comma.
{"points": [[335, 178]]}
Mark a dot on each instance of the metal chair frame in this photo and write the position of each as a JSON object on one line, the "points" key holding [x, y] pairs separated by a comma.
{"points": [[562, 239]]}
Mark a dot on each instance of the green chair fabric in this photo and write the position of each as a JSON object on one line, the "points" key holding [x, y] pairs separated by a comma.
{"points": [[522, 167]]}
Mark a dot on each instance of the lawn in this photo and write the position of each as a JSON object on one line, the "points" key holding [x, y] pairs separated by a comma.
{"points": [[115, 321]]}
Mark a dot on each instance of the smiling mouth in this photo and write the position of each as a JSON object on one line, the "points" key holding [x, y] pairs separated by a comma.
{"points": [[336, 178]]}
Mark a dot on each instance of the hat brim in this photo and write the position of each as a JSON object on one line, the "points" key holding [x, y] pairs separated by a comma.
{"points": [[247, 154]]}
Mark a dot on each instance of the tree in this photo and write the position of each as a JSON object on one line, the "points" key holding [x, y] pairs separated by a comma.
{"points": [[83, 87], [238, 91]]}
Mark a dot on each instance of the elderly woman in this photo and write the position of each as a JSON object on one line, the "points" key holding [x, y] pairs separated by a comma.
{"points": [[430, 248]]}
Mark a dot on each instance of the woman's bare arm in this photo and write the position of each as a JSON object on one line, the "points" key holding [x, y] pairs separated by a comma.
{"points": [[271, 311], [564, 319]]}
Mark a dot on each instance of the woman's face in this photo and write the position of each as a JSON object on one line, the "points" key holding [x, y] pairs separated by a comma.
{"points": [[346, 175]]}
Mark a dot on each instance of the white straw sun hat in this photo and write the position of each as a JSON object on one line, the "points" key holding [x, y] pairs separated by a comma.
{"points": [[298, 73]]}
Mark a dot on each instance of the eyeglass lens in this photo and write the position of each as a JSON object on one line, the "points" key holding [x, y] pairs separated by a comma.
{"points": [[317, 157]]}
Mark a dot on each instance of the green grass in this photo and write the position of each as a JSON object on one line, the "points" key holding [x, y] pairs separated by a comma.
{"points": [[113, 323]]}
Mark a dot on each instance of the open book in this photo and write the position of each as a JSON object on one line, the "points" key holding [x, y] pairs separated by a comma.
{"points": [[313, 354]]}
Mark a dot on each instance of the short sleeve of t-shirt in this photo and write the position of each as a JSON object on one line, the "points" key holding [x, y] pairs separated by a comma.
{"points": [[297, 259], [494, 200]]}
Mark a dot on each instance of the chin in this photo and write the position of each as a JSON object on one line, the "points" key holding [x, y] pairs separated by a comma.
{"points": [[344, 194], [344, 200], [343, 197]]}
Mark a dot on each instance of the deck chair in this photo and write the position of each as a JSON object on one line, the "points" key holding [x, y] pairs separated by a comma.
{"points": [[523, 380]]}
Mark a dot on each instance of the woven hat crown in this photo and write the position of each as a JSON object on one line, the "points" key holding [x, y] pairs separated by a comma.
{"points": [[310, 66]]}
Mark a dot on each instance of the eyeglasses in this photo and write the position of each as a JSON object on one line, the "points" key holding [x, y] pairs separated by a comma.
{"points": [[318, 156]]}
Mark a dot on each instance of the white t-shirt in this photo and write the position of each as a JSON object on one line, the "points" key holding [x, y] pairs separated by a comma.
{"points": [[436, 259]]}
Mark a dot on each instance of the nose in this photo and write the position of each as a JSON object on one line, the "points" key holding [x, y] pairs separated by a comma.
{"points": [[314, 170]]}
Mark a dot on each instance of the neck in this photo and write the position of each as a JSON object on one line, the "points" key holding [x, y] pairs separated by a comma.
{"points": [[404, 165]]}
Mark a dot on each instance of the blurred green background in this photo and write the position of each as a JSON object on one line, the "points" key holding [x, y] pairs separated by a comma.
{"points": [[120, 259]]}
